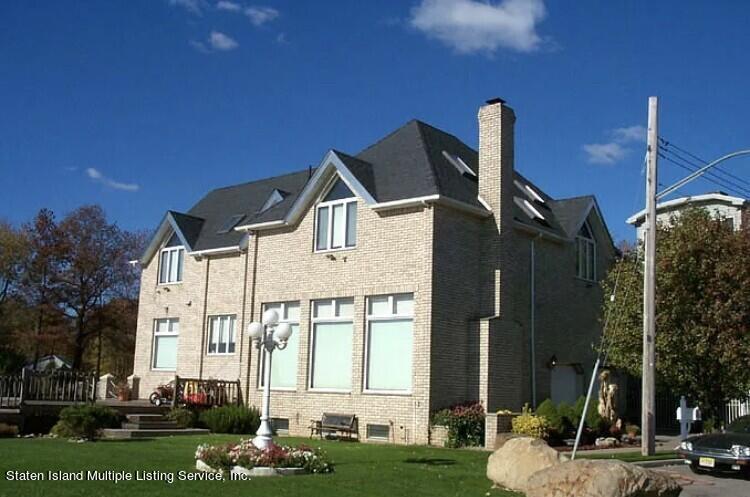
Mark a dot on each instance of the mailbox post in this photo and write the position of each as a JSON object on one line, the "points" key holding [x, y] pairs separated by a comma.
{"points": [[686, 416]]}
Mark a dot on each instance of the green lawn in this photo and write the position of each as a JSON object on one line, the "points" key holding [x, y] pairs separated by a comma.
{"points": [[361, 470]]}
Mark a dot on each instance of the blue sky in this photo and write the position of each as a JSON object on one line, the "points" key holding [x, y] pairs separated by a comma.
{"points": [[143, 106]]}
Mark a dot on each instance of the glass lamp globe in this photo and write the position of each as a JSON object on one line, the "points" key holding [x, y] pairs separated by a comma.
{"points": [[270, 317], [255, 330], [283, 332]]}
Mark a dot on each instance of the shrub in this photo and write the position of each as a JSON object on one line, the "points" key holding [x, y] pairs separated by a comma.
{"points": [[632, 429], [552, 414], [231, 419], [85, 421], [465, 423], [7, 431], [592, 418], [184, 417], [530, 424]]}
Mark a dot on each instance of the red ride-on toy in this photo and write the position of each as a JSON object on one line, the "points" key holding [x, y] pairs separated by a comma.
{"points": [[163, 394]]}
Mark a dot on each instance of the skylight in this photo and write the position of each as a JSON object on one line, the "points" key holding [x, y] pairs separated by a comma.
{"points": [[532, 194], [273, 199], [528, 209], [459, 164], [231, 223]]}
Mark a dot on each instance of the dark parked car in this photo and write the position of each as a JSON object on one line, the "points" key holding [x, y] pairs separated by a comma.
{"points": [[727, 451]]}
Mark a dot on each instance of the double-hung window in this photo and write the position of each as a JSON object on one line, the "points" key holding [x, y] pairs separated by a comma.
{"points": [[171, 261], [332, 330], [284, 363], [390, 338], [221, 335], [166, 334], [336, 219], [586, 253]]}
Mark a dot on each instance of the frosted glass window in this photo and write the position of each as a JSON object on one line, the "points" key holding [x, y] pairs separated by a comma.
{"points": [[332, 356], [379, 305], [284, 362], [171, 261], [336, 219], [338, 229], [166, 334], [321, 242], [390, 355], [390, 342], [351, 224], [221, 334]]}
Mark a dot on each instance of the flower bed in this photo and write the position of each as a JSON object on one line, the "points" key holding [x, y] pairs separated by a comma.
{"points": [[245, 458]]}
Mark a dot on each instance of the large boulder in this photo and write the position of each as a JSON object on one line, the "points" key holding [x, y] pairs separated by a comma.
{"points": [[596, 478], [511, 465]]}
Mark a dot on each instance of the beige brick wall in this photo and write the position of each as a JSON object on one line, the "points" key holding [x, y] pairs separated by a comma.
{"points": [[393, 255]]}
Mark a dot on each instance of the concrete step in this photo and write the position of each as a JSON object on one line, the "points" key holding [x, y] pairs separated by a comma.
{"points": [[151, 425], [124, 434], [138, 418]]}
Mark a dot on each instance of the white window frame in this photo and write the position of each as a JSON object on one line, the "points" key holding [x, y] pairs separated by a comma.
{"points": [[167, 333], [179, 251], [582, 243], [231, 335], [283, 318], [393, 316], [329, 233], [311, 352]]}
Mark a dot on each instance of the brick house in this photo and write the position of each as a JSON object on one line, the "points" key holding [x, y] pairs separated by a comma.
{"points": [[417, 274]]}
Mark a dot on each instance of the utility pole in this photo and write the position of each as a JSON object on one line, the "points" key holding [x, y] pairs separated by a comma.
{"points": [[648, 398]]}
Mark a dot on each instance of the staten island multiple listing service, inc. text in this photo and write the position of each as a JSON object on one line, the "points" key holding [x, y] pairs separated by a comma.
{"points": [[118, 476]]}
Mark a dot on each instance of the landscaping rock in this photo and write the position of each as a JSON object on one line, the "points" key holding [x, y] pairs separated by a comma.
{"points": [[606, 443], [593, 478], [511, 465], [501, 438]]}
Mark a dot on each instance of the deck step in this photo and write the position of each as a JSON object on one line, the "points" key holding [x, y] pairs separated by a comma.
{"points": [[124, 434]]}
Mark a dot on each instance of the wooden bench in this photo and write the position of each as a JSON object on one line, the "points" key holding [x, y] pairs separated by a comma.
{"points": [[339, 424]]}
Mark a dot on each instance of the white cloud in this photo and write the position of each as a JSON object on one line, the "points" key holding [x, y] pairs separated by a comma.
{"points": [[616, 149], [604, 153], [220, 41], [261, 15], [476, 26], [97, 176], [630, 134], [229, 6], [281, 39], [192, 6]]}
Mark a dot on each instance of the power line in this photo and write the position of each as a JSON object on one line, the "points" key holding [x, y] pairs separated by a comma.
{"points": [[700, 162], [709, 176]]}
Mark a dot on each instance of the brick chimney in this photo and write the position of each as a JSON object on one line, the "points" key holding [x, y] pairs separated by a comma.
{"points": [[496, 123]]}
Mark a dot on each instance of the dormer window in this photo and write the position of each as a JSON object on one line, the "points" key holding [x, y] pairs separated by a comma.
{"points": [[586, 253], [336, 219], [171, 259]]}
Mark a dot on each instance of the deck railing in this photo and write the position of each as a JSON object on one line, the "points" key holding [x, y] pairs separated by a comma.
{"points": [[53, 386], [206, 393]]}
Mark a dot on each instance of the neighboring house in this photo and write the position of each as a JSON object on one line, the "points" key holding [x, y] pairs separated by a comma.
{"points": [[49, 363], [733, 210], [417, 274]]}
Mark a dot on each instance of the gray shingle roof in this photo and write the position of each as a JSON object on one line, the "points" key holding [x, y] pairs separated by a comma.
{"points": [[409, 162]]}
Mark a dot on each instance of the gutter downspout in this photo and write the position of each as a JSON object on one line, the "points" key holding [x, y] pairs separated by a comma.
{"points": [[255, 236], [204, 326]]}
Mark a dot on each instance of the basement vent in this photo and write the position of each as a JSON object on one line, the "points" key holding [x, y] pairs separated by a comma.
{"points": [[378, 432], [280, 425]]}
